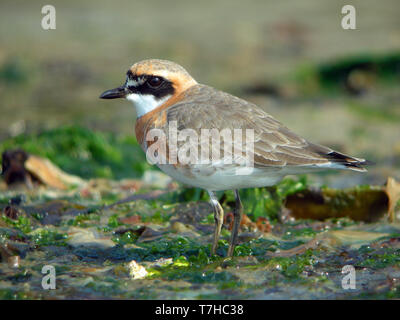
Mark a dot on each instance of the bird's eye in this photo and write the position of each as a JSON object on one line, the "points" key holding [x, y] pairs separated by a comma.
{"points": [[154, 82]]}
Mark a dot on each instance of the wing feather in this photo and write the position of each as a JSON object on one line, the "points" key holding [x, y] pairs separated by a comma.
{"points": [[204, 107]]}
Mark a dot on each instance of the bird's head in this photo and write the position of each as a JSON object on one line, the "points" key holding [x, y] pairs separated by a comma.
{"points": [[150, 83]]}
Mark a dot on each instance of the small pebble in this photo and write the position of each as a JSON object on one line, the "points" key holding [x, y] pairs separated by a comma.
{"points": [[14, 261], [136, 271]]}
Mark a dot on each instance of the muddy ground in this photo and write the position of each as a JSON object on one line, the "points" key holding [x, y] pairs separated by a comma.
{"points": [[335, 87]]}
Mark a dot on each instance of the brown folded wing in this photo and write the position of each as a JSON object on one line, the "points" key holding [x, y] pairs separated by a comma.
{"points": [[203, 107]]}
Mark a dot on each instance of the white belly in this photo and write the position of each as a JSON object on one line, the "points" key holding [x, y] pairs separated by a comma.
{"points": [[223, 179]]}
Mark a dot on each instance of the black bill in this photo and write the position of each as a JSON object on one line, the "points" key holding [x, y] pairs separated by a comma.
{"points": [[119, 92]]}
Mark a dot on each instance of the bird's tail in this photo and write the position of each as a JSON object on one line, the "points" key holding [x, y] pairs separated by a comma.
{"points": [[347, 162]]}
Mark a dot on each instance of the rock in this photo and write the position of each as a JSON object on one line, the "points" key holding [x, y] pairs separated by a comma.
{"points": [[49, 174], [393, 192], [149, 234], [88, 237], [14, 261], [162, 262], [20, 167], [136, 271], [181, 228], [11, 212], [13, 167]]}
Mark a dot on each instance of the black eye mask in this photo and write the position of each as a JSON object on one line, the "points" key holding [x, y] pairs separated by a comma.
{"points": [[157, 86]]}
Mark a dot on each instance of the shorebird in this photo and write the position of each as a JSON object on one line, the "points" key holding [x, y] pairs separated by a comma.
{"points": [[164, 93]]}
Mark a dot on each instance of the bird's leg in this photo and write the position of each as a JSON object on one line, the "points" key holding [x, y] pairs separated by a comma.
{"points": [[237, 218], [218, 217]]}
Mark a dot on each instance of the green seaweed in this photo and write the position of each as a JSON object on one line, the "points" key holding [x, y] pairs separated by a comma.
{"points": [[84, 152], [391, 257], [254, 268], [82, 220], [22, 223], [292, 267], [14, 72], [44, 237], [128, 237], [11, 294], [330, 77], [113, 221]]}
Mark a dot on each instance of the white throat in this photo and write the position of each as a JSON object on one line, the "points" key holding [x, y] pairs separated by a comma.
{"points": [[145, 103]]}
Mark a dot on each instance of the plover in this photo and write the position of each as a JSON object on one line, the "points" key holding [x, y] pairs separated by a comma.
{"points": [[165, 96]]}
